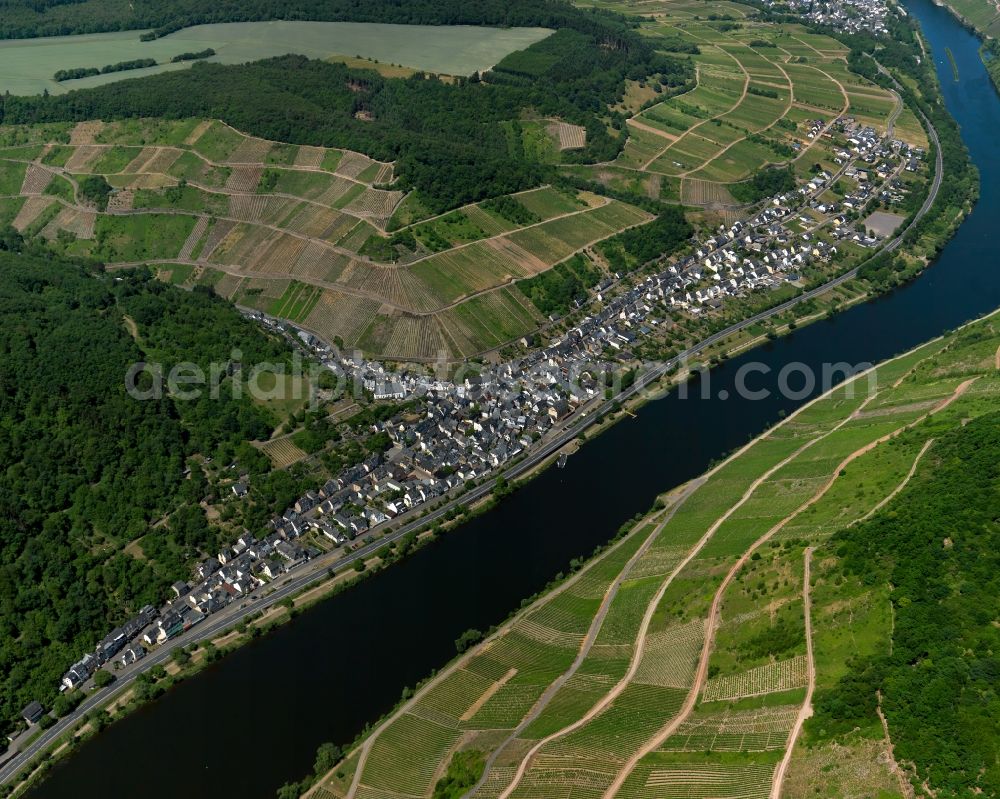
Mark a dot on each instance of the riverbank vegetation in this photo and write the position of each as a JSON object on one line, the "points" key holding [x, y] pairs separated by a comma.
{"points": [[981, 17], [959, 187], [990, 53], [978, 15]]}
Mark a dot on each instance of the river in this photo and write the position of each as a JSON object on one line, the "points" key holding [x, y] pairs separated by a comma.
{"points": [[252, 721]]}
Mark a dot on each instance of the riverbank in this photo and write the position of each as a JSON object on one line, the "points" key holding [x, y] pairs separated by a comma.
{"points": [[593, 520], [990, 54], [986, 27]]}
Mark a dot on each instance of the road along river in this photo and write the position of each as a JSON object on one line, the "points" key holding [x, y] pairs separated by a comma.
{"points": [[252, 721]]}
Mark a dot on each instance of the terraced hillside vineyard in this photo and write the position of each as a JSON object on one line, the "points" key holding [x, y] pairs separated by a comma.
{"points": [[390, 256], [690, 658], [298, 232]]}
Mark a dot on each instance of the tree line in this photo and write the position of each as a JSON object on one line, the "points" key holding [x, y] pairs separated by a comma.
{"points": [[30, 18], [85, 72]]}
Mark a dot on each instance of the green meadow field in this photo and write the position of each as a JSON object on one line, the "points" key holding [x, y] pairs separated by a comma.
{"points": [[27, 65]]}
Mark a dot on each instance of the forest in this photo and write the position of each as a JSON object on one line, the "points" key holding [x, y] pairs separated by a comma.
{"points": [[938, 546], [90, 469], [764, 183], [638, 246], [555, 290], [449, 139], [29, 18]]}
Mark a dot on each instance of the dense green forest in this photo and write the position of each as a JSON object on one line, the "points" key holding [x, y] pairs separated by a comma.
{"points": [[555, 290], [87, 467], [26, 18], [938, 546], [449, 139], [637, 246], [764, 183]]}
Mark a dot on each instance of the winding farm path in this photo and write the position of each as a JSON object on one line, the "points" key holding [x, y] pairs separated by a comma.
{"points": [[585, 646], [807, 709], [592, 632], [647, 619], [239, 271], [725, 149], [701, 674], [742, 97], [635, 122], [712, 622], [905, 788], [791, 102], [889, 497]]}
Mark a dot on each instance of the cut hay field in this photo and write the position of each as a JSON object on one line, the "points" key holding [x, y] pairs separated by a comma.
{"points": [[684, 660], [27, 65]]}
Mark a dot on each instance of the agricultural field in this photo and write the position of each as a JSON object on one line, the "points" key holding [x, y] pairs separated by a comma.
{"points": [[687, 658], [282, 452], [29, 64], [301, 233], [759, 89], [325, 237], [983, 15]]}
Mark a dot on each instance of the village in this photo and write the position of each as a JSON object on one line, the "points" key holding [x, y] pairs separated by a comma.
{"points": [[850, 16], [468, 429]]}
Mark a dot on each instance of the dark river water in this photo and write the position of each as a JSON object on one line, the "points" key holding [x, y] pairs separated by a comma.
{"points": [[254, 720]]}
